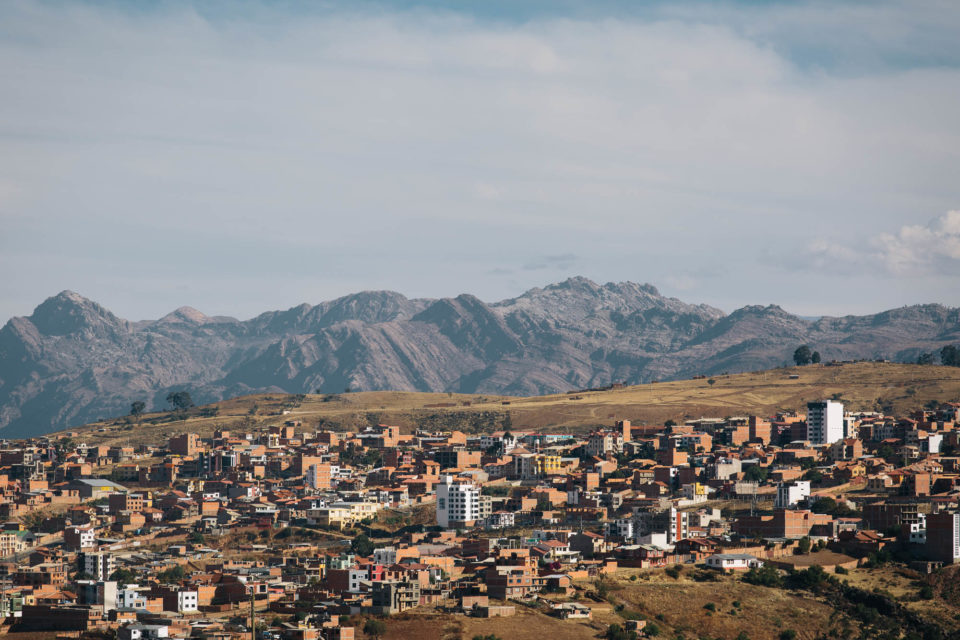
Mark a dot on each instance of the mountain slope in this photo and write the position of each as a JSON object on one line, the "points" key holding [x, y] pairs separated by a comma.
{"points": [[72, 361]]}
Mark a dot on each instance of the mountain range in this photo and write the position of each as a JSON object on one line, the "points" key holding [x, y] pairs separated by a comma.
{"points": [[73, 361]]}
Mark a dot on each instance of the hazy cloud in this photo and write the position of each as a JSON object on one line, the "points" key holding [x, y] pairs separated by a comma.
{"points": [[557, 262]]}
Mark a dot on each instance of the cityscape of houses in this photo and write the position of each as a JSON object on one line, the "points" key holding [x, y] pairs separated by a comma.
{"points": [[308, 529]]}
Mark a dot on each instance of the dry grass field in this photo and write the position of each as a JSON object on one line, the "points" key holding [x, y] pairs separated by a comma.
{"points": [[866, 385], [760, 612], [686, 608]]}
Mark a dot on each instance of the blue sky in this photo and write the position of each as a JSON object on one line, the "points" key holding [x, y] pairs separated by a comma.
{"points": [[238, 157]]}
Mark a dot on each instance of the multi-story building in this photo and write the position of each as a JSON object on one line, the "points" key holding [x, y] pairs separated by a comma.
{"points": [[458, 504], [824, 422], [79, 537], [185, 444], [620, 528], [11, 542], [98, 566], [675, 524], [393, 596], [790, 494], [319, 476], [600, 443], [943, 536], [505, 582], [536, 465]]}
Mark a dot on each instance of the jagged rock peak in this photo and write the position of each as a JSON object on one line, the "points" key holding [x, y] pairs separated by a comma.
{"points": [[69, 312], [188, 315]]}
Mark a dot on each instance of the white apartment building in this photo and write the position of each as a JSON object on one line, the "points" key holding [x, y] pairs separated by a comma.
{"points": [[918, 530], [506, 441], [458, 504], [791, 493], [670, 522], [824, 422], [131, 598], [186, 601], [80, 537], [98, 566], [621, 528]]}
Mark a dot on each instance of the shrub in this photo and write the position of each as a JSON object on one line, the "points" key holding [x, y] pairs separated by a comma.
{"points": [[616, 632], [710, 606], [788, 634], [375, 628], [765, 576]]}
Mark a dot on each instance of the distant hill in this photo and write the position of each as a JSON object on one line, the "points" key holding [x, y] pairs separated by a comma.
{"points": [[73, 361], [893, 388]]}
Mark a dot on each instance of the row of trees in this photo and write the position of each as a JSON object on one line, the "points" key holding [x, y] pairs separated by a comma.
{"points": [[178, 401], [949, 356], [804, 355]]}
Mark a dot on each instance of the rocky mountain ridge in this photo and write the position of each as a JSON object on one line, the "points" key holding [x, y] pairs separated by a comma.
{"points": [[72, 360]]}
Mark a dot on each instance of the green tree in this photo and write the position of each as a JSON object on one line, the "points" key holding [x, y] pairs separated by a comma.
{"points": [[616, 632], [825, 505], [375, 628], [180, 400], [123, 576], [925, 358], [765, 576], [173, 575], [137, 408], [950, 355], [815, 357], [804, 545], [755, 473], [361, 545], [802, 355]]}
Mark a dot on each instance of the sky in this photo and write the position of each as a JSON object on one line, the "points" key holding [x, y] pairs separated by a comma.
{"points": [[252, 155]]}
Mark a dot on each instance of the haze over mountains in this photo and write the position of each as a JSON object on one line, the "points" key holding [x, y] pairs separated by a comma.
{"points": [[73, 361]]}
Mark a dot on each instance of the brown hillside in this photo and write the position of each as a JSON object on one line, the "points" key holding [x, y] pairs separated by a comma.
{"points": [[867, 385]]}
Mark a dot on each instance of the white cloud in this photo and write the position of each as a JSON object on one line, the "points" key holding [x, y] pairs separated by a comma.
{"points": [[931, 248]]}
